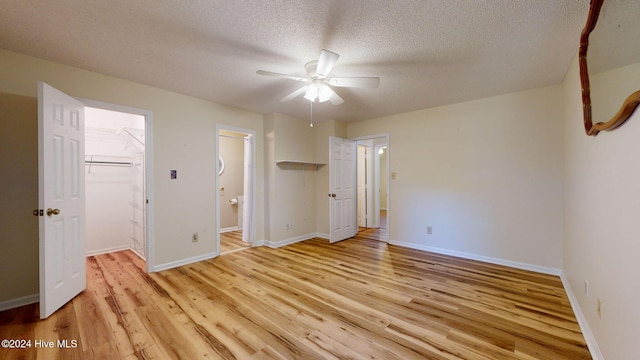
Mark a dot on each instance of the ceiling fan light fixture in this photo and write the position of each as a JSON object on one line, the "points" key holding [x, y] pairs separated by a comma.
{"points": [[324, 93], [320, 86], [318, 91], [312, 92]]}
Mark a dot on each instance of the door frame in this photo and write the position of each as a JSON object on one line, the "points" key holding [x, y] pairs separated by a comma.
{"points": [[378, 189], [362, 181], [250, 202], [387, 142], [148, 169]]}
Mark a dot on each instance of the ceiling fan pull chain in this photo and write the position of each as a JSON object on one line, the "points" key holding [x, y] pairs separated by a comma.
{"points": [[311, 123]]}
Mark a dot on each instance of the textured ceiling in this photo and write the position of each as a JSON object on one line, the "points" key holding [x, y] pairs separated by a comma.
{"points": [[615, 39], [427, 53]]}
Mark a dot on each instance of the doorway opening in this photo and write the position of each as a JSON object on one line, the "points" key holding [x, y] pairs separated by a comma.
{"points": [[235, 187], [365, 189], [373, 190], [115, 182]]}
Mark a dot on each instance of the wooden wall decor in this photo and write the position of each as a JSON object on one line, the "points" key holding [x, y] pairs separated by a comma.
{"points": [[629, 104]]}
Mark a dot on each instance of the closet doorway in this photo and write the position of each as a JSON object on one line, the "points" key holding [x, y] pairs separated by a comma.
{"points": [[115, 182], [235, 188]]}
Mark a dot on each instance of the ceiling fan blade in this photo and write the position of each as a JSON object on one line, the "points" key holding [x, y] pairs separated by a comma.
{"points": [[357, 82], [336, 99], [295, 94], [284, 76], [325, 63]]}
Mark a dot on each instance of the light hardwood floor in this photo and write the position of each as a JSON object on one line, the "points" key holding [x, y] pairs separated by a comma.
{"points": [[381, 233], [232, 241], [359, 299]]}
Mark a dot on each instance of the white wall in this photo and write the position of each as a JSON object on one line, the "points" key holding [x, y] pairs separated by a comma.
{"points": [[485, 174], [183, 139], [19, 194], [291, 187], [108, 197], [601, 212]]}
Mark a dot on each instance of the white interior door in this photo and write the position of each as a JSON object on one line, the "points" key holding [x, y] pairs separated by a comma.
{"points": [[247, 209], [61, 198], [342, 189]]}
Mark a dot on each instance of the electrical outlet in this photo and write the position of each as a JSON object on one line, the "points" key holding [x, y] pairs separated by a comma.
{"points": [[194, 237], [429, 230], [599, 309]]}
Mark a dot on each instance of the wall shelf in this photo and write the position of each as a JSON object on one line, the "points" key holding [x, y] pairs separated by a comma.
{"points": [[298, 162]]}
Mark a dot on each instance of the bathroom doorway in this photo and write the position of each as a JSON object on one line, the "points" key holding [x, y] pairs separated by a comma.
{"points": [[235, 188]]}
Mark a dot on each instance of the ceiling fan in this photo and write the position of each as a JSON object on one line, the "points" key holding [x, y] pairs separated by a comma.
{"points": [[320, 85]]}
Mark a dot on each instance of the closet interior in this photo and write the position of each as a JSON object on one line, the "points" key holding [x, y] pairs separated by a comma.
{"points": [[115, 182]]}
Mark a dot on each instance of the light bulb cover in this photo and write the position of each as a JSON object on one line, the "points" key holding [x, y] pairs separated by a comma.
{"points": [[312, 92], [324, 93]]}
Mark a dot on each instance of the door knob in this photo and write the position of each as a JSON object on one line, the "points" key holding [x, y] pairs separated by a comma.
{"points": [[332, 195], [51, 211]]}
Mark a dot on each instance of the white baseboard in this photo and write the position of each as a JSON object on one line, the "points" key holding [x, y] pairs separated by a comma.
{"points": [[492, 260], [21, 301], [229, 229], [256, 243], [293, 240], [187, 261], [140, 255], [322, 236], [108, 250], [594, 349]]}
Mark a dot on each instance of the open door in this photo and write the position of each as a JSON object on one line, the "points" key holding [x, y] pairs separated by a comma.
{"points": [[61, 198], [247, 208], [342, 189]]}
